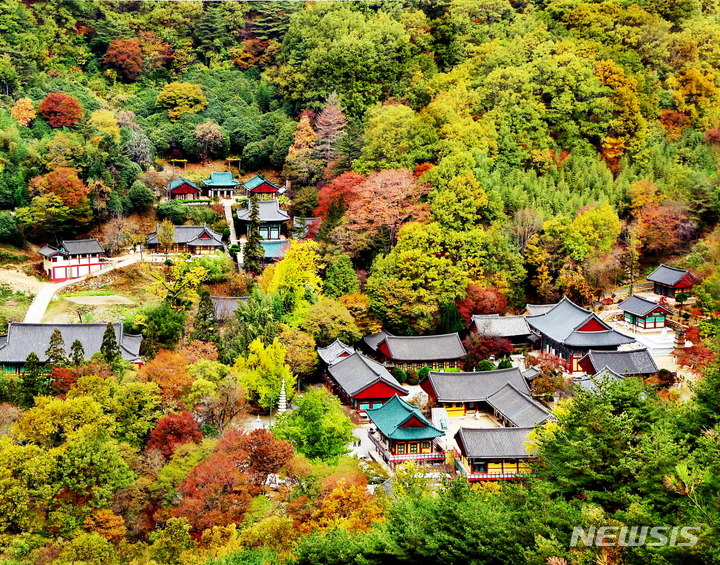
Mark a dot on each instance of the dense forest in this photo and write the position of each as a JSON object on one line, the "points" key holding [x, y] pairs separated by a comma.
{"points": [[461, 157]]}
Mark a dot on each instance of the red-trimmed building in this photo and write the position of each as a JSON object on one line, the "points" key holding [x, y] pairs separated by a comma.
{"points": [[183, 189], [403, 434], [357, 380], [644, 313], [409, 353], [73, 258], [569, 331], [262, 188], [669, 281]]}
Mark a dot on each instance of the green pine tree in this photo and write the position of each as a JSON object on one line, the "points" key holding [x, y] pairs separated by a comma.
{"points": [[34, 382], [340, 277], [77, 353], [335, 212], [253, 251], [110, 350], [56, 350], [205, 326]]}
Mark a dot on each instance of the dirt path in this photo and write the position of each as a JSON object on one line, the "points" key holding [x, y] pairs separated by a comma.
{"points": [[20, 281]]}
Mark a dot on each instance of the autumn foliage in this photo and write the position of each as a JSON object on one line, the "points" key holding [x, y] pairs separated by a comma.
{"points": [[480, 301], [172, 431], [23, 111], [126, 56], [169, 370], [60, 109], [341, 189]]}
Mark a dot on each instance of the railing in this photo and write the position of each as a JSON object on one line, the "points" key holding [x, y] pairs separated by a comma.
{"points": [[464, 471], [390, 458]]}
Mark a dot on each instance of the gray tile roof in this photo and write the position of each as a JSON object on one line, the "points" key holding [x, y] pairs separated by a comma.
{"points": [[537, 309], [357, 372], [562, 322], [373, 340], [82, 246], [493, 443], [23, 339], [591, 383], [332, 352], [669, 276], [502, 326], [425, 348], [225, 306], [635, 362], [190, 235], [640, 306], [518, 407], [49, 251], [474, 387], [270, 211]]}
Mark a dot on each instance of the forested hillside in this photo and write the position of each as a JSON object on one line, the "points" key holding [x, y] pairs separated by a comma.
{"points": [[461, 157]]}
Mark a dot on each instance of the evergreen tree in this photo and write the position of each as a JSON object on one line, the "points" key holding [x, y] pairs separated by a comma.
{"points": [[340, 277], [34, 382], [335, 212], [56, 350], [205, 324], [77, 353], [450, 319], [110, 350], [253, 252]]}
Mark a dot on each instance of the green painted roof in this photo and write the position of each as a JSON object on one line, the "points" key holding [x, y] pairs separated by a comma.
{"points": [[256, 181], [221, 179], [390, 417]]}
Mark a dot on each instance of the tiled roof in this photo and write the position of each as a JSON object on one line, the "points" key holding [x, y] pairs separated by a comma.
{"points": [[275, 249], [373, 340], [493, 443], [425, 348], [221, 179], [634, 362], [390, 417], [225, 306], [23, 339], [332, 352], [502, 326], [562, 322], [82, 246], [474, 387], [640, 306], [537, 309], [256, 181], [49, 251], [357, 372], [591, 383], [173, 184], [669, 276], [518, 407], [190, 235], [270, 211]]}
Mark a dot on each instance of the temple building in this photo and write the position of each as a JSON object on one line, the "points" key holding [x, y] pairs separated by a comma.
{"points": [[444, 351], [183, 189], [513, 328], [637, 362], [196, 240], [669, 281], [262, 188], [72, 258], [643, 313], [569, 331], [402, 433], [272, 219], [221, 185], [493, 454]]}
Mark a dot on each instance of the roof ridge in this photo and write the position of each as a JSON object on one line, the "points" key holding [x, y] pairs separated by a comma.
{"points": [[423, 336]]}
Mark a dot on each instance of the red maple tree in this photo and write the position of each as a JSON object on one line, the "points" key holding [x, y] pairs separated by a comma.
{"points": [[480, 301], [173, 431], [342, 187], [126, 56], [60, 109]]}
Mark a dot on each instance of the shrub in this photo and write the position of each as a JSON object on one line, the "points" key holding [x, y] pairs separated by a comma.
{"points": [[399, 374]]}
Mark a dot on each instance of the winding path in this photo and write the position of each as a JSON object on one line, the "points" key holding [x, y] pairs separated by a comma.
{"points": [[42, 299]]}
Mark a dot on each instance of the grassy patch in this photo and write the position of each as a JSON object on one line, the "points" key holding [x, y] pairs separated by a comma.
{"points": [[90, 293], [13, 305]]}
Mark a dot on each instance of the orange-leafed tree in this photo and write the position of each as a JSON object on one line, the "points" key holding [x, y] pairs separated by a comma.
{"points": [[169, 370], [60, 109], [64, 183], [105, 522], [173, 431], [340, 189], [126, 56], [23, 112], [350, 507]]}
